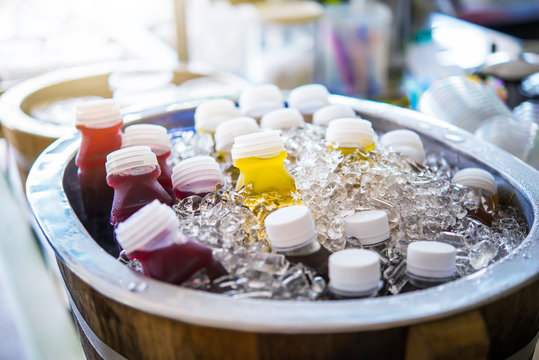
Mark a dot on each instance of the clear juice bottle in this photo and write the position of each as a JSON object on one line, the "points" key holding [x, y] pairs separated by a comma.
{"points": [[209, 114], [133, 173], [152, 237], [292, 233], [350, 134], [156, 137], [99, 123], [354, 273], [260, 158], [198, 175], [486, 192]]}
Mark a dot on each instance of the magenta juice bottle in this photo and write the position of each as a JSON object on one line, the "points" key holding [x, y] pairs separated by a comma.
{"points": [[156, 137], [99, 123], [291, 232], [132, 172], [198, 175], [152, 237]]}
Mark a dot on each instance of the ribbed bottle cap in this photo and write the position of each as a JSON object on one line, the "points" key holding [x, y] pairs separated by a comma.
{"points": [[476, 178], [406, 142], [290, 227], [308, 98], [285, 118], [354, 271], [98, 114], [130, 157], [350, 132], [431, 259], [146, 225], [259, 100], [324, 115], [154, 136], [229, 129], [195, 169], [369, 227], [211, 113], [264, 144]]}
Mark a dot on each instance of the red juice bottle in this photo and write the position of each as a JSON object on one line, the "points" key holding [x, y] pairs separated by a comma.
{"points": [[198, 175], [152, 237], [156, 137], [133, 173], [100, 125]]}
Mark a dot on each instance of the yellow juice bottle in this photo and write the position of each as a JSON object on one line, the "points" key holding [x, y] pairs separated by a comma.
{"points": [[260, 158], [350, 134]]}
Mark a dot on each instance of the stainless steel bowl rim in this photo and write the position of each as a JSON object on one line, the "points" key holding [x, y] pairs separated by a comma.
{"points": [[83, 256]]}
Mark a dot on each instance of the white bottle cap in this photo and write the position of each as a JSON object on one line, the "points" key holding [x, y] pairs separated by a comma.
{"points": [[229, 129], [196, 169], [308, 98], [211, 113], [290, 227], [350, 133], [129, 158], [259, 100], [405, 142], [147, 224], [98, 114], [369, 227], [323, 116], [476, 178], [154, 136], [431, 259], [264, 144], [354, 272], [285, 118]]}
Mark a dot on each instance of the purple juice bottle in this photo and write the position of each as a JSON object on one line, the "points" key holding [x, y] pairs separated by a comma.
{"points": [[156, 137], [152, 237], [133, 173], [198, 175]]}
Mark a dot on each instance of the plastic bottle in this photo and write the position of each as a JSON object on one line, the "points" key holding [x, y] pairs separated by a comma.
{"points": [[100, 124], [259, 100], [350, 134], [308, 98], [291, 232], [485, 188], [156, 137], [198, 175], [260, 157], [430, 263], [370, 228], [229, 129], [152, 237], [354, 273], [133, 173], [405, 142], [324, 115], [211, 113], [283, 119]]}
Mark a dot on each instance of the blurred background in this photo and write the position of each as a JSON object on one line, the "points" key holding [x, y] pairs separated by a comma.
{"points": [[472, 63]]}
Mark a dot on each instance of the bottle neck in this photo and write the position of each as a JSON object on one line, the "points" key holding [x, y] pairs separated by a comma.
{"points": [[309, 248]]}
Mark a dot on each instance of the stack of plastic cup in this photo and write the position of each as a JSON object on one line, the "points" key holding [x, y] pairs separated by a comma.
{"points": [[211, 113], [462, 102], [259, 100], [324, 115], [229, 129], [308, 98], [286, 118], [405, 142]]}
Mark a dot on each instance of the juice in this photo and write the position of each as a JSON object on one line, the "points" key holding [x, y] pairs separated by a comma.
{"points": [[198, 175], [133, 173], [349, 135]]}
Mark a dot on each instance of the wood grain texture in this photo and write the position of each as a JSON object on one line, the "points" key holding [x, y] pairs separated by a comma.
{"points": [[471, 335]]}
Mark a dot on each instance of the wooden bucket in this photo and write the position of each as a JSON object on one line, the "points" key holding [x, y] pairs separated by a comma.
{"points": [[493, 313], [28, 136]]}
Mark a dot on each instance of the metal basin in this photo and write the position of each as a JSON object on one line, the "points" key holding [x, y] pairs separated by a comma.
{"points": [[122, 312]]}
